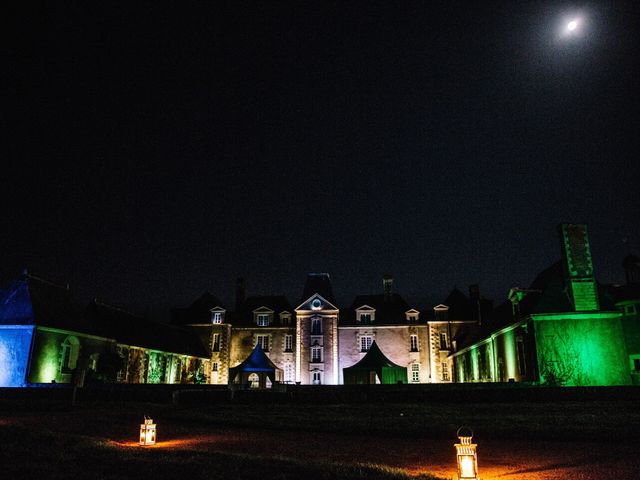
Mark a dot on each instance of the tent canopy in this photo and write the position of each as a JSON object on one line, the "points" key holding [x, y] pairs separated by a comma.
{"points": [[374, 362], [256, 362]]}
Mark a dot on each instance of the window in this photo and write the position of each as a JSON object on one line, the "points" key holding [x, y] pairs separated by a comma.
{"points": [[415, 372], [442, 312], [414, 343], [263, 341], [288, 373], [216, 317], [215, 342], [316, 354], [262, 319], [285, 320], [629, 309], [316, 326], [288, 343], [413, 318], [634, 361], [444, 345], [316, 378], [69, 354], [365, 318], [214, 366], [445, 372], [365, 343]]}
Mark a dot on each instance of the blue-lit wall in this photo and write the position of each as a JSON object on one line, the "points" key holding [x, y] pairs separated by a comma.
{"points": [[15, 343]]}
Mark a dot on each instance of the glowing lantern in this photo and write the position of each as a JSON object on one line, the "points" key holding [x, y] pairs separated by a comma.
{"points": [[466, 455], [148, 432]]}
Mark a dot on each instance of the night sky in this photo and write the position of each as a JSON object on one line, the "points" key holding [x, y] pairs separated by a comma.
{"points": [[159, 151]]}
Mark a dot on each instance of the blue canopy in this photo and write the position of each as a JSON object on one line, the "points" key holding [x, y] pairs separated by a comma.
{"points": [[256, 362]]}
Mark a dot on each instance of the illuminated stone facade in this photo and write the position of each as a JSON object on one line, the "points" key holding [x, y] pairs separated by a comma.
{"points": [[564, 329]]}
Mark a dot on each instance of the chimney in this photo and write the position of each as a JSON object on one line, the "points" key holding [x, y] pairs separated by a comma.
{"points": [[241, 292], [387, 285]]}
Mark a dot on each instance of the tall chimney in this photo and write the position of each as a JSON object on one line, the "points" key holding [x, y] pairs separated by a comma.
{"points": [[387, 285], [241, 292]]}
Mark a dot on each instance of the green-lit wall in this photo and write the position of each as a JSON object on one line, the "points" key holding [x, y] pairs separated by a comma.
{"points": [[581, 349], [631, 330], [497, 360], [47, 350]]}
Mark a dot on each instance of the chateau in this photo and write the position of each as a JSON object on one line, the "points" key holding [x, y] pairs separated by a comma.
{"points": [[564, 329]]}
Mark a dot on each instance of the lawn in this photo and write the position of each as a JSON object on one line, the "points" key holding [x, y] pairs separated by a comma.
{"points": [[583, 440]]}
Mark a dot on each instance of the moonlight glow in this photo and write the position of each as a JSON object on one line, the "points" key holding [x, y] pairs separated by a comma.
{"points": [[572, 25]]}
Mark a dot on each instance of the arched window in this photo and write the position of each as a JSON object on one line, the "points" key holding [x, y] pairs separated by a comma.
{"points": [[69, 354]]}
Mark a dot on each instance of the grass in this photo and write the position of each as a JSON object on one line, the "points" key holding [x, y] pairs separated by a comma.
{"points": [[48, 440], [567, 421], [48, 445], [45, 454]]}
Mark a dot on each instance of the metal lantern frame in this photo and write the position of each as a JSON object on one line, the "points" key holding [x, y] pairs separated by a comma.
{"points": [[466, 455], [147, 432]]}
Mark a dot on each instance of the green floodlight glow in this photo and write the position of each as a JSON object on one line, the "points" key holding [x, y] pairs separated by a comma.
{"points": [[581, 349]]}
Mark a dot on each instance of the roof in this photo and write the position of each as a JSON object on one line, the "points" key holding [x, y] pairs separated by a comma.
{"points": [[623, 293], [198, 312], [276, 303], [129, 329], [257, 361], [374, 360], [318, 283], [387, 312], [546, 294], [32, 300], [460, 307]]}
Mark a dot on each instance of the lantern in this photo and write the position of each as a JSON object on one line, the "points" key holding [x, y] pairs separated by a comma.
{"points": [[147, 432], [466, 455]]}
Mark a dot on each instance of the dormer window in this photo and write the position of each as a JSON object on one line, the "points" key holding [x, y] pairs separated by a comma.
{"points": [[262, 319], [285, 319], [441, 312], [217, 315], [412, 316], [365, 315]]}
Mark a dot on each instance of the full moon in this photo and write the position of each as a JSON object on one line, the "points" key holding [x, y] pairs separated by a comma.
{"points": [[572, 25]]}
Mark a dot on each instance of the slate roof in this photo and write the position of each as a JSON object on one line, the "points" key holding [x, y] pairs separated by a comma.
{"points": [[277, 303], [390, 312], [198, 312], [622, 293], [318, 283], [31, 300], [129, 329], [460, 307]]}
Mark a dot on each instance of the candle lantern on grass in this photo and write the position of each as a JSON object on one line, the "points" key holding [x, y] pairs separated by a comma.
{"points": [[148, 432], [466, 455]]}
